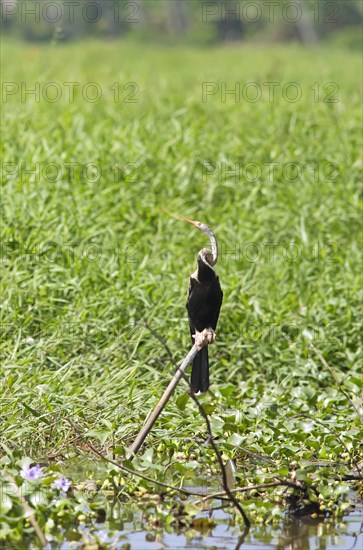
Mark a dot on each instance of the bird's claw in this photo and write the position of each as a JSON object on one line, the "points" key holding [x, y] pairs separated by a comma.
{"points": [[207, 336], [210, 335]]}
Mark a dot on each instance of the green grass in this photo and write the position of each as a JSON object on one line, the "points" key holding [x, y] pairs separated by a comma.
{"points": [[85, 259]]}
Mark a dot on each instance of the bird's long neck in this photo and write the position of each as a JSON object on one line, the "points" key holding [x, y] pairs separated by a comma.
{"points": [[205, 271], [214, 246]]}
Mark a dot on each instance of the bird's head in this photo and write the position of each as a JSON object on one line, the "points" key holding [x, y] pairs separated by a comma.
{"points": [[199, 225], [207, 230]]}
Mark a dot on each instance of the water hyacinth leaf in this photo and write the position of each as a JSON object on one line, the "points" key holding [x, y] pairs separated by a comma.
{"points": [[236, 440], [312, 495], [5, 530], [226, 390], [148, 455], [301, 475], [38, 498], [192, 464], [130, 464], [341, 489], [208, 408], [25, 461], [119, 451], [217, 424], [169, 519], [6, 503], [180, 467], [181, 401], [283, 472]]}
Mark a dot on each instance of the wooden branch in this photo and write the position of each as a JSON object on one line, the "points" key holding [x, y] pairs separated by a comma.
{"points": [[200, 342], [166, 396]]}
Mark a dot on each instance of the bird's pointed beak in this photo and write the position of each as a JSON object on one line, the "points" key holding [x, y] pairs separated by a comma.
{"points": [[192, 222]]}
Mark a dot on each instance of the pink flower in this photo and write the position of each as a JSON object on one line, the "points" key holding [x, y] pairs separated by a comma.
{"points": [[62, 483], [31, 473]]}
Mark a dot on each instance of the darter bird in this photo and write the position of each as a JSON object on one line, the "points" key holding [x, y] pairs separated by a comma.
{"points": [[204, 303]]}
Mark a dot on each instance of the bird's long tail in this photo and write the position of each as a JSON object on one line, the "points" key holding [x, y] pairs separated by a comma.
{"points": [[200, 371]]}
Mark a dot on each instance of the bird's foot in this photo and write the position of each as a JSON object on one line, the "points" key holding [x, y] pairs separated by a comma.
{"points": [[207, 336], [210, 335]]}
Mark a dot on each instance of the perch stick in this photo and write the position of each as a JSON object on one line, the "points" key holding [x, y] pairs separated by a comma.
{"points": [[199, 344]]}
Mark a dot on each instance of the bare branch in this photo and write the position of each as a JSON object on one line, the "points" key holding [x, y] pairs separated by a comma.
{"points": [[165, 398], [128, 470], [279, 483]]}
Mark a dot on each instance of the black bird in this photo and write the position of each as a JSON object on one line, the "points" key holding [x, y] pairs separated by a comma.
{"points": [[204, 303]]}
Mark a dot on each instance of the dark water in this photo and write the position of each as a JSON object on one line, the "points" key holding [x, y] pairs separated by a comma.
{"points": [[124, 526], [293, 534], [298, 535]]}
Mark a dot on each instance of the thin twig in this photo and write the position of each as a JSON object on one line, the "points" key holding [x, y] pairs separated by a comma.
{"points": [[279, 483], [128, 470], [319, 354]]}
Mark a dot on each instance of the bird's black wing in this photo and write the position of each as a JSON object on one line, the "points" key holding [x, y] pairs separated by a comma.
{"points": [[200, 370], [218, 304], [192, 283]]}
